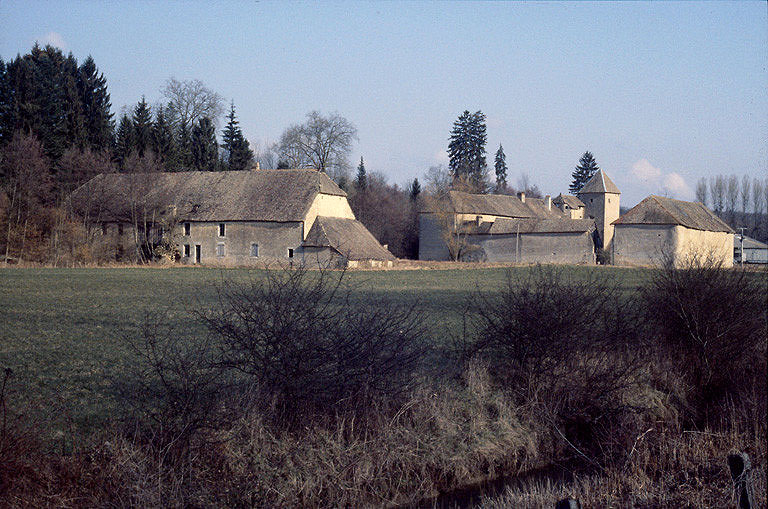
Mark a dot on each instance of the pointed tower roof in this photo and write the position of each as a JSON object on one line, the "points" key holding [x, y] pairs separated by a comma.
{"points": [[599, 183]]}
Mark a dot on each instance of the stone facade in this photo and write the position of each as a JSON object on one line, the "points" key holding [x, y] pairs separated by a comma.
{"points": [[556, 247], [649, 245]]}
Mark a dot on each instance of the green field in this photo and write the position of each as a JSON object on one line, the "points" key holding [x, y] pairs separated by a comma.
{"points": [[61, 329]]}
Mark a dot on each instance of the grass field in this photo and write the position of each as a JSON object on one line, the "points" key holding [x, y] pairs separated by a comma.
{"points": [[61, 329]]}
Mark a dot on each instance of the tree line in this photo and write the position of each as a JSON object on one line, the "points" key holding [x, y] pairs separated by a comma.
{"points": [[741, 202]]}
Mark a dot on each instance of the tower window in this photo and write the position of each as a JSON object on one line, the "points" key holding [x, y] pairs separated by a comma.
{"points": [[255, 250], [290, 253], [222, 230]]}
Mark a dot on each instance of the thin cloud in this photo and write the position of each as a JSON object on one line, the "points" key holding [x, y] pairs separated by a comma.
{"points": [[441, 156], [657, 181]]}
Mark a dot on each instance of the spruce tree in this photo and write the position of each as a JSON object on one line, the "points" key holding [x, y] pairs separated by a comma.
{"points": [[142, 127], [162, 140], [204, 147], [500, 166], [6, 105], [124, 141], [96, 105], [466, 149], [361, 180], [237, 150], [415, 189], [583, 172]]}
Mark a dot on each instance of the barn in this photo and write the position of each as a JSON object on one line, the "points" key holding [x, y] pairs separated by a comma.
{"points": [[658, 228], [231, 217]]}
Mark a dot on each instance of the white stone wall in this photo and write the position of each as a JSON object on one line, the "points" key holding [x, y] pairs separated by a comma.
{"points": [[648, 245], [327, 205]]}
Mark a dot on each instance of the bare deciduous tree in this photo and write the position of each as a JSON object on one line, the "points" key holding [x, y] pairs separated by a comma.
{"points": [[746, 185], [757, 198], [717, 192], [27, 184], [322, 142], [191, 100], [438, 180], [731, 195], [701, 191]]}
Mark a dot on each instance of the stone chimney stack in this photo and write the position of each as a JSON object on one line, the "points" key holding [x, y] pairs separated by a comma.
{"points": [[521, 195], [548, 202], [257, 167]]}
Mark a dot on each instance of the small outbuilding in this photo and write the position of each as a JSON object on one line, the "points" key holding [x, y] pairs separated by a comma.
{"points": [[659, 228], [749, 250]]}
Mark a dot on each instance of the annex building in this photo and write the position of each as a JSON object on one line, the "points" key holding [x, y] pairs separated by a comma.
{"points": [[568, 229], [232, 217]]}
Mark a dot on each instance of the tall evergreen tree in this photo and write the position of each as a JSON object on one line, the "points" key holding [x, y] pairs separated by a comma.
{"points": [[361, 180], [6, 105], [500, 165], [96, 105], [124, 140], [415, 189], [237, 150], [205, 150], [583, 172], [162, 140], [466, 149], [142, 127]]}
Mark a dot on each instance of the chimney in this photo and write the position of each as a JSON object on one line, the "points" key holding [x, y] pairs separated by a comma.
{"points": [[521, 195], [257, 167], [548, 202]]}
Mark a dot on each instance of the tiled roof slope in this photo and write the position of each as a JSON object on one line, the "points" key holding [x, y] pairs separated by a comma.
{"points": [[347, 236], [569, 200], [661, 210], [259, 195], [599, 183], [499, 205]]}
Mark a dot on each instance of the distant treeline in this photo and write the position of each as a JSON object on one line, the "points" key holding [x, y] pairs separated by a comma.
{"points": [[740, 202]]}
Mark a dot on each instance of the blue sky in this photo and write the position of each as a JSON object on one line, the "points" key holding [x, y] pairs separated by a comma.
{"points": [[661, 93]]}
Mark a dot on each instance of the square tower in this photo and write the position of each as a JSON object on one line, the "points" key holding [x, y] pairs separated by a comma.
{"points": [[601, 199]]}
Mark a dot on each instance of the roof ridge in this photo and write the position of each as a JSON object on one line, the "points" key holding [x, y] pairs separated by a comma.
{"points": [[673, 216]]}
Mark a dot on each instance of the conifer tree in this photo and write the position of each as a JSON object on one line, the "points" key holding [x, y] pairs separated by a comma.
{"points": [[466, 150], [124, 142], [237, 150], [361, 180], [500, 166], [142, 127], [162, 140], [583, 172], [6, 105], [415, 189], [205, 150], [96, 105]]}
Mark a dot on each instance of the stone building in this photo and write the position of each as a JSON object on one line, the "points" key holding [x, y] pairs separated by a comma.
{"points": [[501, 228], [601, 201], [231, 217], [658, 228]]}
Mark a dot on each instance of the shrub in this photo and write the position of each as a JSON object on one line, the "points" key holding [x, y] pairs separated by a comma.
{"points": [[570, 348], [290, 343], [711, 325]]}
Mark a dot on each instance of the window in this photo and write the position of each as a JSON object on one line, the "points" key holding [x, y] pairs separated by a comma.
{"points": [[186, 250], [290, 253], [119, 228], [220, 251], [187, 229], [103, 228], [609, 200], [222, 230], [255, 250]]}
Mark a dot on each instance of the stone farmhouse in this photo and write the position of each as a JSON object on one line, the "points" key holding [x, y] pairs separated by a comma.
{"points": [[570, 229], [232, 217]]}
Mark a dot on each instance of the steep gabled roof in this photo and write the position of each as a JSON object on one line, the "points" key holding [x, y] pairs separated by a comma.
{"points": [[535, 225], [348, 237], [599, 183], [570, 200], [661, 210], [259, 195]]}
